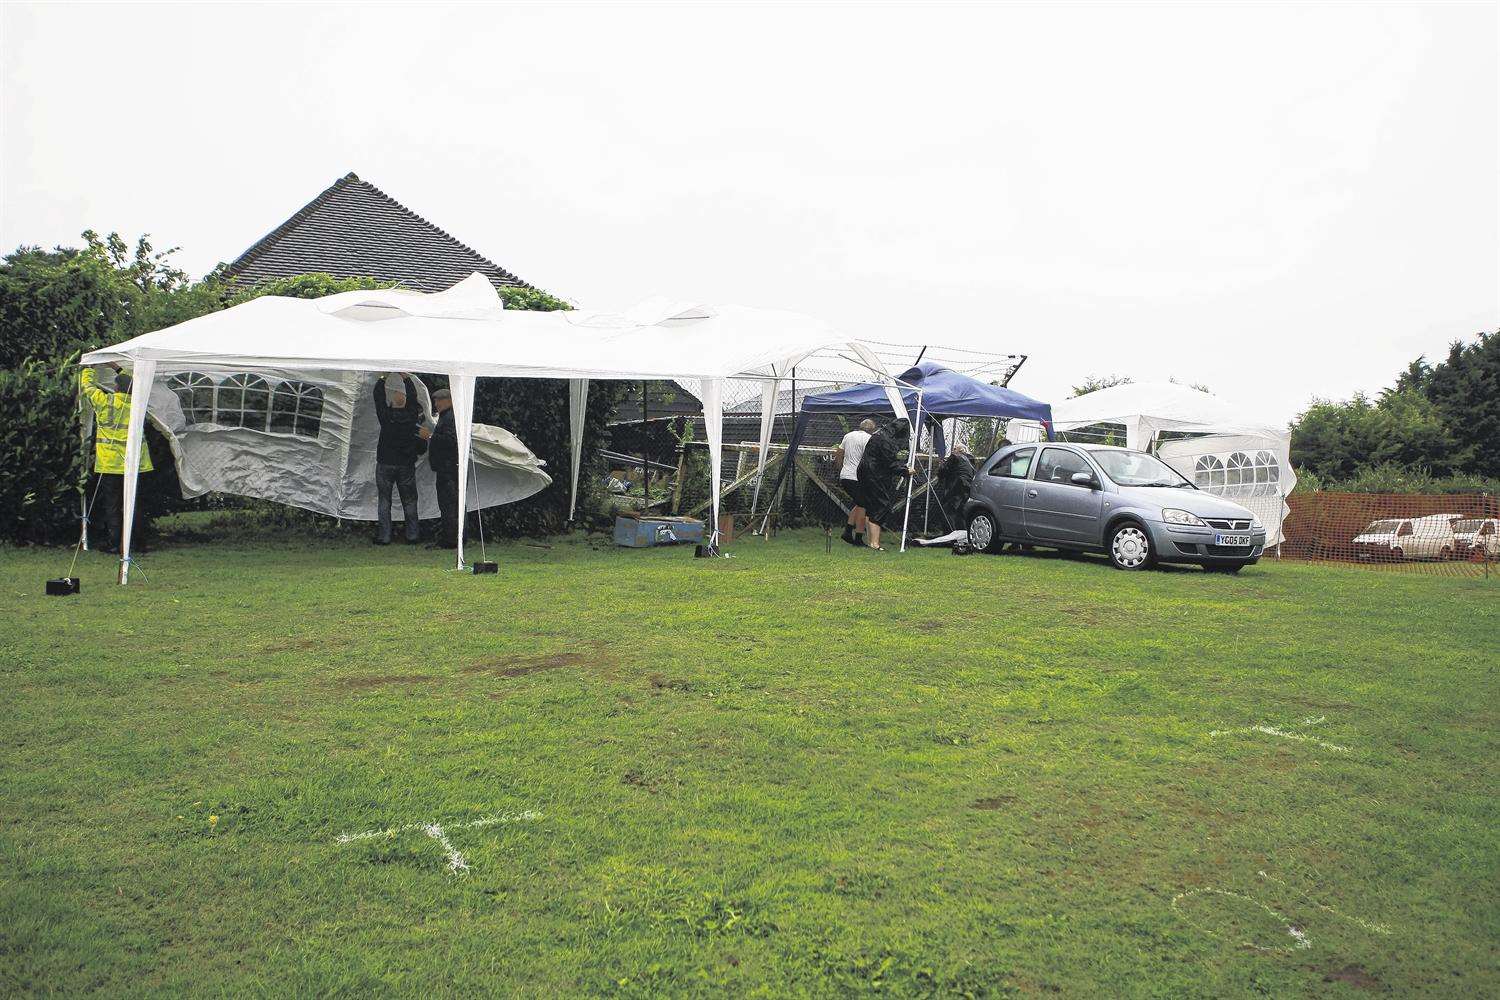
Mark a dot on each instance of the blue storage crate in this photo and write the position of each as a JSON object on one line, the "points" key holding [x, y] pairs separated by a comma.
{"points": [[645, 532]]}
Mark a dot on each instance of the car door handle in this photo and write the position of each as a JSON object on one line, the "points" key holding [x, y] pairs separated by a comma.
{"points": [[1031, 493]]}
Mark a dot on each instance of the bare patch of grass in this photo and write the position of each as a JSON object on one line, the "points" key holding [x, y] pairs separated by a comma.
{"points": [[520, 666], [993, 802], [1353, 975]]}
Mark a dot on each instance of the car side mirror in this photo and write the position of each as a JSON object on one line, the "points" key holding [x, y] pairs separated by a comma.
{"points": [[1084, 479]]}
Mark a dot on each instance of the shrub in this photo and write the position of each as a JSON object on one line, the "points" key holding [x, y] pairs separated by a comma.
{"points": [[536, 411], [1390, 477], [41, 452]]}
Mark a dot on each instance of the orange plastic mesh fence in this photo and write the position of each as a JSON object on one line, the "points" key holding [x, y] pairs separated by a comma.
{"points": [[1449, 533]]}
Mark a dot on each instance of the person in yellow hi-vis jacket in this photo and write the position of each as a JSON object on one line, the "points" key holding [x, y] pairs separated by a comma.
{"points": [[111, 427]]}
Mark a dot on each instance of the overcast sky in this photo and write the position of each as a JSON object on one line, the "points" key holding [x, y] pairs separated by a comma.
{"points": [[1280, 202]]}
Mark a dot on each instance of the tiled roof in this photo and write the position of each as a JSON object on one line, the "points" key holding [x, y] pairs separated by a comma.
{"points": [[354, 229]]}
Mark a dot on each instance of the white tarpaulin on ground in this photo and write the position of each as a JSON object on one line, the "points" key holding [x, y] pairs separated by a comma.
{"points": [[306, 438], [1147, 408], [465, 333]]}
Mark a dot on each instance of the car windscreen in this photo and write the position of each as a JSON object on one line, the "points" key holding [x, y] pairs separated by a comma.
{"points": [[1135, 468], [1382, 527]]}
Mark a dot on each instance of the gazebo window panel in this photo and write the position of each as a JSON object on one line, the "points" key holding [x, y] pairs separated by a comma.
{"points": [[1267, 474], [195, 391], [243, 400], [1208, 474], [296, 408]]}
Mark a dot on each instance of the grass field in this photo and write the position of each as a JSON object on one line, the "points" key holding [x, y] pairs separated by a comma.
{"points": [[787, 773]]}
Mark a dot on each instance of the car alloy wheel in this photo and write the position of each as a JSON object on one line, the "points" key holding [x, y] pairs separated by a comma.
{"points": [[1130, 548], [982, 532]]}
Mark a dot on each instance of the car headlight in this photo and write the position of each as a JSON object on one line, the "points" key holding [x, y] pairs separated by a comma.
{"points": [[1255, 524], [1174, 516]]}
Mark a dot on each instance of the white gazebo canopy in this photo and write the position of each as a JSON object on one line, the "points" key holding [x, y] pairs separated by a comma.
{"points": [[1146, 409], [464, 333]]}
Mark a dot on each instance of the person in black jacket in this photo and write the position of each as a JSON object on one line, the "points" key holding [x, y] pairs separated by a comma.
{"points": [[954, 478], [442, 453], [880, 469], [403, 437]]}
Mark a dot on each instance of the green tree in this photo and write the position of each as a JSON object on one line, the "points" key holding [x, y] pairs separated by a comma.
{"points": [[1096, 382], [1403, 428], [301, 286], [1465, 390], [1438, 423], [55, 302]]}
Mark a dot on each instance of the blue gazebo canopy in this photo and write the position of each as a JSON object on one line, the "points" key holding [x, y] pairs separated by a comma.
{"points": [[945, 393]]}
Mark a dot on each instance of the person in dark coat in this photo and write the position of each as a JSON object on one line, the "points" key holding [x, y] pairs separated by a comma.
{"points": [[442, 453], [954, 478], [880, 472], [403, 438]]}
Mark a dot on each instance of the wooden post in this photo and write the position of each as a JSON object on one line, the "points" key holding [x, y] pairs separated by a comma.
{"points": [[677, 485]]}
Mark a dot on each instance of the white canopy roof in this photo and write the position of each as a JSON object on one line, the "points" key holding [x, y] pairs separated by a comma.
{"points": [[1159, 406], [1147, 408], [464, 330]]}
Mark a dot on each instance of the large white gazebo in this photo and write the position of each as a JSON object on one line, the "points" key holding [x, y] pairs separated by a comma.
{"points": [[464, 333]]}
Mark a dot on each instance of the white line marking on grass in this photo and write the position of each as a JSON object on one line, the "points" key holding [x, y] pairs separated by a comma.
{"points": [[1373, 928], [457, 863], [1297, 934], [1284, 734]]}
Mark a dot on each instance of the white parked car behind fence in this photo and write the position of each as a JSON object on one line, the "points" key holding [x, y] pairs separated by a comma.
{"points": [[1477, 536], [1397, 538]]}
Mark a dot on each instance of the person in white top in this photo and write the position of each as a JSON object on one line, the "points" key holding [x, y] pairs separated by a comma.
{"points": [[846, 456]]}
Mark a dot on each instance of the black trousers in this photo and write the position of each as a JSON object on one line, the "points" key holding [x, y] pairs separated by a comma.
{"points": [[447, 497], [107, 509], [404, 479]]}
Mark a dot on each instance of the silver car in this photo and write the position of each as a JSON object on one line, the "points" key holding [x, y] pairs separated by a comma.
{"points": [[1127, 504]]}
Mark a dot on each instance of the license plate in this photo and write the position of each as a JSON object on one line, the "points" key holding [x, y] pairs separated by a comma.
{"points": [[1231, 539]]}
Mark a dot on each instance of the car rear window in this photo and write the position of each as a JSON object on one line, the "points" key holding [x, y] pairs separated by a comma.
{"points": [[1016, 465]]}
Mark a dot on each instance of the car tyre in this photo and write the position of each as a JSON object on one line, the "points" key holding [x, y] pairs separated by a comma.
{"points": [[1446, 552], [1130, 547], [1398, 554], [984, 533]]}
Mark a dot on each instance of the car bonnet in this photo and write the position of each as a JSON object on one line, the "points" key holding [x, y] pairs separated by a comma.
{"points": [[1193, 501]]}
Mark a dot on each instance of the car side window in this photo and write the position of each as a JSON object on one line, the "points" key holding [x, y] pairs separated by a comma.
{"points": [[1058, 466], [1405, 529], [1016, 465]]}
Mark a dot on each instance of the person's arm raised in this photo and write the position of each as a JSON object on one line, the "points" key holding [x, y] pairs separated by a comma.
{"points": [[88, 384], [380, 404]]}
